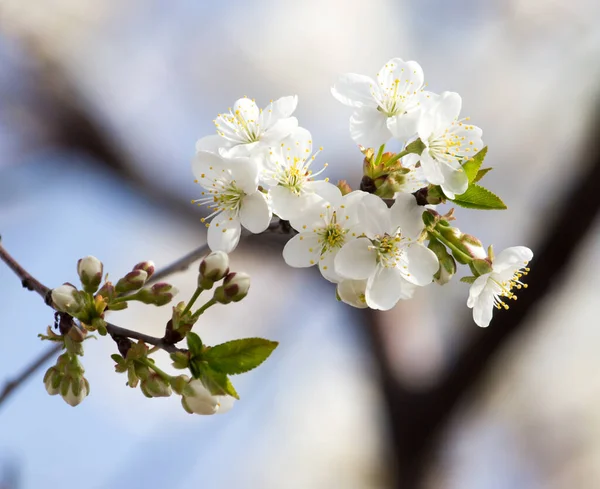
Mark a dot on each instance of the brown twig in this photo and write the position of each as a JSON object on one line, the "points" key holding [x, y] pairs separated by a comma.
{"points": [[27, 280], [28, 371]]}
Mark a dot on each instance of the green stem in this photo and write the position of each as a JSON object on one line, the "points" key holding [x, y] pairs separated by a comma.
{"points": [[124, 298], [200, 311], [396, 157], [454, 249], [164, 375], [192, 300]]}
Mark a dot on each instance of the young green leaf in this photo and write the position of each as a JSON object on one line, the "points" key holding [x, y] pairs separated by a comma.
{"points": [[468, 280], [472, 166], [477, 197], [239, 356], [481, 173], [194, 343], [217, 383]]}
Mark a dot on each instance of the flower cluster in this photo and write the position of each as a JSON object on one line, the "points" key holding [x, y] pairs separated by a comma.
{"points": [[380, 242]]}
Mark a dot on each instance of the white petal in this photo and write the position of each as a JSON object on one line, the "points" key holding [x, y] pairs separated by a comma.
{"points": [[431, 169], [302, 250], [355, 260], [288, 205], [224, 232], [298, 144], [212, 144], [368, 127], [279, 130], [327, 267], [352, 292], [422, 264], [515, 257], [383, 288], [407, 214], [312, 216], [245, 173], [255, 214], [225, 403], [483, 309], [354, 90], [247, 109], [408, 73], [325, 190], [284, 107], [455, 181], [447, 110], [404, 126], [239, 150], [206, 165], [374, 216], [476, 289]]}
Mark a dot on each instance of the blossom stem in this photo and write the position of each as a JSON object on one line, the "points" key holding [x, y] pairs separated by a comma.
{"points": [[150, 364], [454, 249], [200, 311], [192, 300], [414, 147]]}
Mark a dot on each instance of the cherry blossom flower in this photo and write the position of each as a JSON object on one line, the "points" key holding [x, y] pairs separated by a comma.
{"points": [[231, 193], [392, 262], [384, 108], [197, 400], [352, 292], [246, 127], [323, 229], [490, 290], [286, 170], [448, 141]]}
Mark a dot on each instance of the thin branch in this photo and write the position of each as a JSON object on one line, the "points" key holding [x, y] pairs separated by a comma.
{"points": [[119, 332], [12, 385], [27, 280]]}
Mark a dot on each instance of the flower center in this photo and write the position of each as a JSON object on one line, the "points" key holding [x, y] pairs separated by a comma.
{"points": [[332, 236], [394, 100], [223, 195], [388, 250], [505, 288]]}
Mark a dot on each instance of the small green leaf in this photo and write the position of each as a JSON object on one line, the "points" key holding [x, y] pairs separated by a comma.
{"points": [[239, 356], [472, 165], [217, 383], [416, 146], [481, 173], [477, 197], [194, 343], [468, 280]]}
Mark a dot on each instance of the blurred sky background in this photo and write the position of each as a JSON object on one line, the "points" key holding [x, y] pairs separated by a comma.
{"points": [[153, 74]]}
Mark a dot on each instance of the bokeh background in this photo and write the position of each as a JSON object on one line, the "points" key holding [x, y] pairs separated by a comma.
{"points": [[101, 103]]}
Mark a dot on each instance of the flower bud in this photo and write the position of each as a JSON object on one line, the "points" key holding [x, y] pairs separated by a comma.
{"points": [[159, 294], [52, 380], [212, 269], [234, 289], [155, 386], [132, 281], [147, 266], [74, 389], [197, 400], [473, 246], [67, 299], [107, 291], [90, 270], [447, 263]]}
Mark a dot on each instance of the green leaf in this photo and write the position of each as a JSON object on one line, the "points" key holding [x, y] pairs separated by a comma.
{"points": [[194, 343], [239, 356], [477, 197], [217, 383], [472, 165], [468, 280], [481, 173]]}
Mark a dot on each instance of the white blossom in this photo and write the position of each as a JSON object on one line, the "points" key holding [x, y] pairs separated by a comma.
{"points": [[448, 141], [231, 193], [323, 229], [490, 290], [392, 262], [414, 179], [384, 108], [196, 399], [246, 127], [352, 292], [286, 170]]}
